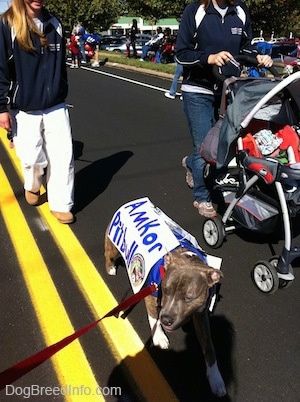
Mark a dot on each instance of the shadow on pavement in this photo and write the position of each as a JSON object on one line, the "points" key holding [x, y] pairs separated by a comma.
{"points": [[185, 370], [93, 179]]}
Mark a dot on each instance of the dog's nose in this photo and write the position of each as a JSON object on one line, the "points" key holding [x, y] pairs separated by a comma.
{"points": [[166, 320]]}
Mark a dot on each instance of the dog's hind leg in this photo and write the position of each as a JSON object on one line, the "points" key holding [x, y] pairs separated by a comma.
{"points": [[110, 253], [201, 323]]}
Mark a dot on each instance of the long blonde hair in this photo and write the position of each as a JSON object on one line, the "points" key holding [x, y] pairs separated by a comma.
{"points": [[23, 25]]}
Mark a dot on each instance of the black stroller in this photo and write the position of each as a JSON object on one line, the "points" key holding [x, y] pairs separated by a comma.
{"points": [[259, 188]]}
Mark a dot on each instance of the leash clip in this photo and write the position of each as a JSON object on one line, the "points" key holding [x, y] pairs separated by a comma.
{"points": [[10, 138], [155, 287]]}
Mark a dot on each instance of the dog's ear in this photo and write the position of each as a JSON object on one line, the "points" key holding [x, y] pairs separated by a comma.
{"points": [[167, 260], [213, 276]]}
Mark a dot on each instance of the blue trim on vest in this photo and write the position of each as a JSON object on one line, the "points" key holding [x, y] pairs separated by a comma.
{"points": [[155, 273]]}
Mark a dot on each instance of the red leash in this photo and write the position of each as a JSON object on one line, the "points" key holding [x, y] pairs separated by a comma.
{"points": [[16, 371]]}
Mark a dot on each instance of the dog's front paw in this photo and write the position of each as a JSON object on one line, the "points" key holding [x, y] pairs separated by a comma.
{"points": [[160, 339], [216, 381], [112, 271]]}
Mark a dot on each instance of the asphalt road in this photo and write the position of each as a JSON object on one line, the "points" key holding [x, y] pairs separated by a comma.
{"points": [[129, 141]]}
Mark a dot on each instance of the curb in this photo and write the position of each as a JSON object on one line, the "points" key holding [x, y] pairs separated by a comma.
{"points": [[140, 70]]}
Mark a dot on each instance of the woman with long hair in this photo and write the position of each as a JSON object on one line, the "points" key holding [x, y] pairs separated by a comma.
{"points": [[33, 89]]}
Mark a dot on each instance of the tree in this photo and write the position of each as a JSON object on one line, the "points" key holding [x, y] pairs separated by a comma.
{"points": [[154, 10], [280, 17], [96, 15]]}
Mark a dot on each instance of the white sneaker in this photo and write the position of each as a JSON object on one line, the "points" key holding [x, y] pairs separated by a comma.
{"points": [[142, 60], [95, 64], [168, 95], [205, 209], [188, 174]]}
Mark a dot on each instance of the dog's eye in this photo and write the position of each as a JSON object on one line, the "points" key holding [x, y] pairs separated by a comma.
{"points": [[187, 298]]}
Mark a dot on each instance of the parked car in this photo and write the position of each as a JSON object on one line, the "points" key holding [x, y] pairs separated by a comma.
{"points": [[121, 48], [143, 37], [107, 40], [113, 44], [120, 44]]}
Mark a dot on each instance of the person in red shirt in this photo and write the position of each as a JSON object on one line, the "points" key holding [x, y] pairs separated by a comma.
{"points": [[75, 52]]}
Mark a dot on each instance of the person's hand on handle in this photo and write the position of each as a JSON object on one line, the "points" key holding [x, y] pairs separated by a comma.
{"points": [[220, 59], [264, 60]]}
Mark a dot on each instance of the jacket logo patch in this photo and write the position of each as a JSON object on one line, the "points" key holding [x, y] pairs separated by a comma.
{"points": [[54, 47], [236, 31]]}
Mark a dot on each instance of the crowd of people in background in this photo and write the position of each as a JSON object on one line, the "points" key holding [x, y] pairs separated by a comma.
{"points": [[160, 48], [153, 44], [83, 47]]}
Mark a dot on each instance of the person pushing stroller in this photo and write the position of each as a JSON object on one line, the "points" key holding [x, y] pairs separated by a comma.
{"points": [[211, 33]]}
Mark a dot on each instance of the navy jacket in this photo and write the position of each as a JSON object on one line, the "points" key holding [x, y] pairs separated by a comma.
{"points": [[203, 32], [36, 80]]}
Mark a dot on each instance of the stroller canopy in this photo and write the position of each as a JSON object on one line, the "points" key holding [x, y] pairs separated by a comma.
{"points": [[248, 100]]}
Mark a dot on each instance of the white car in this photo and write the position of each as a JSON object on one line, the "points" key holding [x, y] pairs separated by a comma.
{"points": [[120, 44], [121, 47]]}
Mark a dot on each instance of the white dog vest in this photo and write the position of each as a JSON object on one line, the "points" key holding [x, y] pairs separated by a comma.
{"points": [[143, 234]]}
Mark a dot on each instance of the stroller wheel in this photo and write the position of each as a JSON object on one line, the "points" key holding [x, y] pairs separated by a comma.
{"points": [[213, 232], [264, 276], [283, 284]]}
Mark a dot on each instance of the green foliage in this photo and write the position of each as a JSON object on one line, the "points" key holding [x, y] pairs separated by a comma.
{"points": [[153, 10], [96, 15], [279, 17]]}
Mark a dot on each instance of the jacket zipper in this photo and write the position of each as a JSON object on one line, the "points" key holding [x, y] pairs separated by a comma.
{"points": [[45, 67]]}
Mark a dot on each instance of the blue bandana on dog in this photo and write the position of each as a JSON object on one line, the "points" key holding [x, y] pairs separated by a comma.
{"points": [[157, 272]]}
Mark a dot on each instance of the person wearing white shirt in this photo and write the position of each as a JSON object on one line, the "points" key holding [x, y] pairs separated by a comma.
{"points": [[154, 42]]}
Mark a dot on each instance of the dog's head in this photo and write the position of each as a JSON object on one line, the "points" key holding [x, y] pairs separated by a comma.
{"points": [[185, 287]]}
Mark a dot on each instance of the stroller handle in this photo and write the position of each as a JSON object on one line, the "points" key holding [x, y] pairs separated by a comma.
{"points": [[245, 60]]}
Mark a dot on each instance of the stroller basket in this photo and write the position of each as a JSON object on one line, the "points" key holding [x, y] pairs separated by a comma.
{"points": [[253, 213]]}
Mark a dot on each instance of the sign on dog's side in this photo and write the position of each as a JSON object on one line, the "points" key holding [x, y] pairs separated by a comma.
{"points": [[142, 238]]}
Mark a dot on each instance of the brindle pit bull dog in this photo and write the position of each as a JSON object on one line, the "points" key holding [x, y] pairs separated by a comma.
{"points": [[185, 292]]}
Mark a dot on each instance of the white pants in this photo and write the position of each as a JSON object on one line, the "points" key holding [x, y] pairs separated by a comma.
{"points": [[43, 139]]}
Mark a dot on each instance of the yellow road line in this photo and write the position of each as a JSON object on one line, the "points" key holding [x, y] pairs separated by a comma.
{"points": [[70, 364], [120, 335]]}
